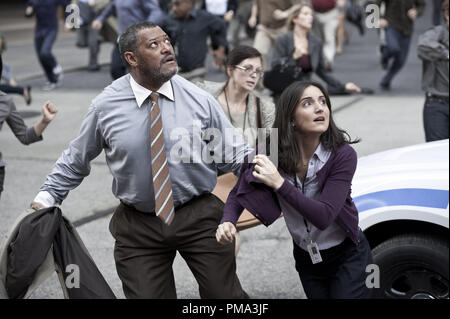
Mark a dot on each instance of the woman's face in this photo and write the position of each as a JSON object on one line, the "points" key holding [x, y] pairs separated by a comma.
{"points": [[246, 74], [312, 114], [304, 18]]}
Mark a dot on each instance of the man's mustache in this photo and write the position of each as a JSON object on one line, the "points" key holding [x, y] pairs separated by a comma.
{"points": [[168, 57]]}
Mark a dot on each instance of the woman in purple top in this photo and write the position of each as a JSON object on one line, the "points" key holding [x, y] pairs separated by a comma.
{"points": [[312, 186]]}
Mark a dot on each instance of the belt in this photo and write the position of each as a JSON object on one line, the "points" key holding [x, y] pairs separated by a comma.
{"points": [[178, 207], [438, 97]]}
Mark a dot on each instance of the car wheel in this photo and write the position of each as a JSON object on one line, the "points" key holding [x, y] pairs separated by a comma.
{"points": [[412, 266]]}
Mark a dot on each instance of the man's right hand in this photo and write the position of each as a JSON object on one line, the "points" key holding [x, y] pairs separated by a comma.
{"points": [[252, 22], [383, 23], [36, 206], [225, 233], [97, 24], [29, 11]]}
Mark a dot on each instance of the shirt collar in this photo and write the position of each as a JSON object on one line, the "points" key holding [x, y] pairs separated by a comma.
{"points": [[321, 153], [141, 93], [193, 13]]}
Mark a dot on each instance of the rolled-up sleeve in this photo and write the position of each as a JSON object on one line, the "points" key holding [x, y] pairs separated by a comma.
{"points": [[26, 135], [74, 164], [431, 48]]}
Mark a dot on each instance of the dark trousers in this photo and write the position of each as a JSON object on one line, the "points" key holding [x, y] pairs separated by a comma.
{"points": [[43, 43], [145, 249], [118, 67], [2, 179], [89, 37], [436, 119], [397, 48], [341, 274]]}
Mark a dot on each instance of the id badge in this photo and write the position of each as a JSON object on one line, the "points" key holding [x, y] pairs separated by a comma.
{"points": [[314, 253]]}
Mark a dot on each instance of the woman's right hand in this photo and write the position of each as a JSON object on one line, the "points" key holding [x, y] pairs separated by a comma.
{"points": [[225, 233], [252, 22]]}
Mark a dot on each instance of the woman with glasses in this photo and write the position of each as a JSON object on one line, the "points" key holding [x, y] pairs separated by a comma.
{"points": [[246, 110]]}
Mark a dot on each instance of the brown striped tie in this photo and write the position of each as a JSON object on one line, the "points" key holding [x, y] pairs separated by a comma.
{"points": [[162, 186]]}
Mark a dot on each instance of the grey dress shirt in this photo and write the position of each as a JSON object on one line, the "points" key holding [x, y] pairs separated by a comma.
{"points": [[118, 122], [433, 49], [10, 115]]}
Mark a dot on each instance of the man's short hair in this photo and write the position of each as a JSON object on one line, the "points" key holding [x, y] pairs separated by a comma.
{"points": [[128, 40]]}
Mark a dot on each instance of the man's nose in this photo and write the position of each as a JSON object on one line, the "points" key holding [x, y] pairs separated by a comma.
{"points": [[166, 47]]}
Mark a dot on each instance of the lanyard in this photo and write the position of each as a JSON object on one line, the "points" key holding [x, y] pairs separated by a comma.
{"points": [[304, 219], [229, 113]]}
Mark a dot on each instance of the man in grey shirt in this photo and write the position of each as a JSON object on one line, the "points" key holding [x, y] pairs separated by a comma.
{"points": [[433, 49], [26, 135], [119, 122]]}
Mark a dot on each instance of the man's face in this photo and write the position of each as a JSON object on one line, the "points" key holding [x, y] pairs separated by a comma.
{"points": [[155, 56], [181, 8]]}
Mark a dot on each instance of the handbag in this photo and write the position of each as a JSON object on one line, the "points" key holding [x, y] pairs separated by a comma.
{"points": [[282, 75]]}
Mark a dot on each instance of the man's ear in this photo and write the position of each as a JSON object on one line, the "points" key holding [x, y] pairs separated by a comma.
{"points": [[131, 59]]}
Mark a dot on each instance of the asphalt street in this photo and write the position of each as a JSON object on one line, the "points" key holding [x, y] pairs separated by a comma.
{"points": [[265, 263]]}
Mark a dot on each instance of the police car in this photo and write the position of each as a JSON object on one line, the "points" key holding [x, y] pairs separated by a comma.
{"points": [[402, 197]]}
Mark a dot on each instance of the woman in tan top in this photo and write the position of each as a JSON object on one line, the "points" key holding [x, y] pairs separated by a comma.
{"points": [[237, 97]]}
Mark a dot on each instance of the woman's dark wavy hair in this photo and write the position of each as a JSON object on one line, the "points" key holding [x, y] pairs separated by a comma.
{"points": [[289, 153]]}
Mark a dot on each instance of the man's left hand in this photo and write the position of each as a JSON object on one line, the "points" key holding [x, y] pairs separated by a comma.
{"points": [[48, 112], [219, 57]]}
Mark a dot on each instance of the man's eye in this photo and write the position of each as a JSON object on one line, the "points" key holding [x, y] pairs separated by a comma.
{"points": [[153, 45], [167, 41]]}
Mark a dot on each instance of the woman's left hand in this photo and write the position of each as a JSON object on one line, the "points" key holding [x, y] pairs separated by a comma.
{"points": [[266, 172]]}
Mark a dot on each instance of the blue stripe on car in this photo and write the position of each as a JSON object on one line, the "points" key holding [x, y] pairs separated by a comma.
{"points": [[423, 197]]}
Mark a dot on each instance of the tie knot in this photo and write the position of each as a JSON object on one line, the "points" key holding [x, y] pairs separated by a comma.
{"points": [[154, 97]]}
